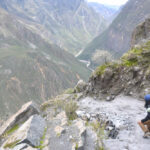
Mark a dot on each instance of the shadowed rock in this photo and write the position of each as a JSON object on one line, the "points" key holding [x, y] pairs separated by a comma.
{"points": [[30, 132], [21, 116]]}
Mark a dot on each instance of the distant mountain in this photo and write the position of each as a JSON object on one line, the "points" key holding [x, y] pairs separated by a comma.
{"points": [[107, 11], [71, 24], [30, 67], [117, 38]]}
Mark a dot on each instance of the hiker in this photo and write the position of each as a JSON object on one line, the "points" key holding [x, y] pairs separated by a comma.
{"points": [[145, 123]]}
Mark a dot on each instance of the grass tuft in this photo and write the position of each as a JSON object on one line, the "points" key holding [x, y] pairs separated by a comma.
{"points": [[11, 145], [70, 110]]}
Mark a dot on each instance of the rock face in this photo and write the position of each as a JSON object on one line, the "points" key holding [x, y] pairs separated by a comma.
{"points": [[24, 130], [108, 12], [30, 132], [130, 75], [80, 87], [21, 116], [141, 33], [117, 37]]}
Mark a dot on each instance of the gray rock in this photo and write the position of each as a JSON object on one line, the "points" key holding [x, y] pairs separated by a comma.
{"points": [[141, 33], [21, 116], [30, 132], [59, 130], [81, 134], [80, 87], [23, 146], [80, 113]]}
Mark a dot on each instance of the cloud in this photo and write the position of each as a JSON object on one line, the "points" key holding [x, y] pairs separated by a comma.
{"points": [[110, 2]]}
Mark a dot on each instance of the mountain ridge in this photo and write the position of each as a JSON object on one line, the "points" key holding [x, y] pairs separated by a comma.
{"points": [[71, 33], [116, 38], [30, 67]]}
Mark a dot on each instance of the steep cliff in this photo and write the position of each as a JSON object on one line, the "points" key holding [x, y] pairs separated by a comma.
{"points": [[129, 75], [117, 38]]}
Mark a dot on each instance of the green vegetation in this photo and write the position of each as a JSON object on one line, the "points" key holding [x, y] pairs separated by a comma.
{"points": [[101, 69], [77, 146], [134, 51], [100, 148], [99, 129], [12, 144], [129, 59], [130, 63], [58, 134], [10, 131], [69, 91], [41, 146], [70, 110], [59, 104], [46, 105]]}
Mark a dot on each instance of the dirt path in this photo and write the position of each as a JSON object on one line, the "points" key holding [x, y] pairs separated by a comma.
{"points": [[124, 112]]}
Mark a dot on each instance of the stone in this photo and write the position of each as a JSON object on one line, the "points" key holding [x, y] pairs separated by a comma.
{"points": [[21, 116], [80, 87], [30, 132], [136, 69], [108, 73], [82, 132], [80, 113], [108, 98], [59, 130], [88, 116], [141, 33]]}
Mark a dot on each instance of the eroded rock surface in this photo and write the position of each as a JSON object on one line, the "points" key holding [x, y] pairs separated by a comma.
{"points": [[21, 116], [30, 132]]}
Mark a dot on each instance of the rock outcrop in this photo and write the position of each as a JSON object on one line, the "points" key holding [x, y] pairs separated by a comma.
{"points": [[130, 75], [29, 133], [116, 39], [21, 116], [141, 33], [80, 87], [24, 130]]}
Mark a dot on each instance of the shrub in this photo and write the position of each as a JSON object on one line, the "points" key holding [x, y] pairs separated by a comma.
{"points": [[11, 145], [10, 131], [70, 109], [99, 128], [100, 70], [69, 91]]}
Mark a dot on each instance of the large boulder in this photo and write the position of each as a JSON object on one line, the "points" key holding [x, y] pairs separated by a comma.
{"points": [[21, 116], [30, 132]]}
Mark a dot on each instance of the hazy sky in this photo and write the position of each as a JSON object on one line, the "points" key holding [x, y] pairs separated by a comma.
{"points": [[110, 2]]}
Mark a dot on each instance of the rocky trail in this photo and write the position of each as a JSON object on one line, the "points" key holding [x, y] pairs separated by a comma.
{"points": [[52, 130], [124, 112]]}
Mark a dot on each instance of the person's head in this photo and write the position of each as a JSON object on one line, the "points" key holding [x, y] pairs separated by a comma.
{"points": [[147, 100]]}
